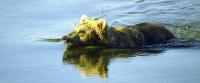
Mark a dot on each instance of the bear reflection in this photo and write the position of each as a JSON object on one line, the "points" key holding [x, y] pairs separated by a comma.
{"points": [[94, 61]]}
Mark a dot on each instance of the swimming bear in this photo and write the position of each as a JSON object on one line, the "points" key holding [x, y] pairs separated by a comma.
{"points": [[96, 32]]}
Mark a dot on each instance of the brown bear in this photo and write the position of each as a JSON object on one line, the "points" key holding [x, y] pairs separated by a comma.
{"points": [[95, 32]]}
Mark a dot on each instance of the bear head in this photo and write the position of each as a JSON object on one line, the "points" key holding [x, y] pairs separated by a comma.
{"points": [[89, 32]]}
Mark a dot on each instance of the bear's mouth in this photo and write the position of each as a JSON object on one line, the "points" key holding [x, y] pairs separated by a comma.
{"points": [[66, 41], [71, 42]]}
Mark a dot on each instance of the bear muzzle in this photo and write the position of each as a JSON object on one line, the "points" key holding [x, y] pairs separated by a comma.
{"points": [[65, 39]]}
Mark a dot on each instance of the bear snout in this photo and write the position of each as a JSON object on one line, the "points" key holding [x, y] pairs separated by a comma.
{"points": [[65, 38]]}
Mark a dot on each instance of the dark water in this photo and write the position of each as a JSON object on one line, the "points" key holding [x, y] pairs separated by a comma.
{"points": [[26, 59]]}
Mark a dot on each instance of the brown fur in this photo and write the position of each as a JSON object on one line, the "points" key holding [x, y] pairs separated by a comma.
{"points": [[95, 33]]}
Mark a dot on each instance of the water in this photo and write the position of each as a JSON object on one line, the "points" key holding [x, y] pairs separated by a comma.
{"points": [[26, 59]]}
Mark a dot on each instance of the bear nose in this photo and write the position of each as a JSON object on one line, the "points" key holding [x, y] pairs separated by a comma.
{"points": [[65, 38]]}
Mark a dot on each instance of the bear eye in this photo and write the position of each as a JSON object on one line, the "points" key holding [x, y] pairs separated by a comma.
{"points": [[81, 32]]}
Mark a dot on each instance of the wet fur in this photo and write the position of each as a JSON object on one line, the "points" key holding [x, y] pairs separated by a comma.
{"points": [[96, 33], [137, 35]]}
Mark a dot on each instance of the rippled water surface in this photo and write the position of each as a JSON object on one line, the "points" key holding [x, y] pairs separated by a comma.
{"points": [[26, 59]]}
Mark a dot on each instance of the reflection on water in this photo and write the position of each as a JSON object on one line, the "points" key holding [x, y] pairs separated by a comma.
{"points": [[94, 61]]}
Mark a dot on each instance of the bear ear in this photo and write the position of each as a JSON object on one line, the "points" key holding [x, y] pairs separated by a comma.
{"points": [[84, 19], [102, 24], [101, 28]]}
